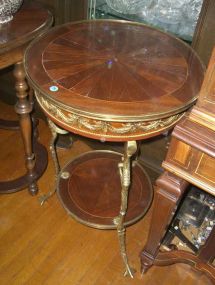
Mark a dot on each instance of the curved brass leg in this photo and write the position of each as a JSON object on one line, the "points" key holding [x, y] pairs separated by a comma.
{"points": [[125, 170], [55, 131]]}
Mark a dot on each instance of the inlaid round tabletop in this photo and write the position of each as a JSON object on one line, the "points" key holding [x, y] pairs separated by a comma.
{"points": [[113, 80]]}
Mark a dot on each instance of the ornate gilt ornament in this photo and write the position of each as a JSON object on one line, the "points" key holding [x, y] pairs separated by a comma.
{"points": [[125, 178], [104, 127]]}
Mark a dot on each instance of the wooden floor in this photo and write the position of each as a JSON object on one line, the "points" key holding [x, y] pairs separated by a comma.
{"points": [[43, 245]]}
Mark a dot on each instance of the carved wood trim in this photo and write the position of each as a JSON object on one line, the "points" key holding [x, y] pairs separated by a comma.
{"points": [[196, 136], [189, 177]]}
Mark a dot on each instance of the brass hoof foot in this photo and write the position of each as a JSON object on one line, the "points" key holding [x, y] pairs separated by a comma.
{"points": [[42, 199], [130, 272]]}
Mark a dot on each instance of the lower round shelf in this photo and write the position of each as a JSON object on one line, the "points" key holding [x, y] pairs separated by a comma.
{"points": [[20, 183], [90, 190]]}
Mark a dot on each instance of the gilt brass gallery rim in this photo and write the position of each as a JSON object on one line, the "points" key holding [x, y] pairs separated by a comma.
{"points": [[108, 117], [104, 226]]}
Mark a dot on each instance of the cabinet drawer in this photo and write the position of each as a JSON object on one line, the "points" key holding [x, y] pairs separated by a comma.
{"points": [[191, 164]]}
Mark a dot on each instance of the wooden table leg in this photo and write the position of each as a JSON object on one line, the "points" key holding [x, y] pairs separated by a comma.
{"points": [[35, 167], [34, 119], [23, 108], [169, 191]]}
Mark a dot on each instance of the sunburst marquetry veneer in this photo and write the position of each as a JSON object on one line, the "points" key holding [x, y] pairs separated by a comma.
{"points": [[110, 81]]}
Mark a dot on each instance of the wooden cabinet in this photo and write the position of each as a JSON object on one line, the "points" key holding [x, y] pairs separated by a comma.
{"points": [[204, 36], [191, 154], [190, 160]]}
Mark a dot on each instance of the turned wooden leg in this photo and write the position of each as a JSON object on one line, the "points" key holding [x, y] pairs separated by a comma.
{"points": [[169, 191], [34, 120], [23, 108]]}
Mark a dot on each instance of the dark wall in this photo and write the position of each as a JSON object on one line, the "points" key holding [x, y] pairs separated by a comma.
{"points": [[66, 10]]}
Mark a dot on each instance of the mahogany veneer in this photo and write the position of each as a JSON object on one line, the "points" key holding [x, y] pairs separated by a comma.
{"points": [[29, 22], [92, 196]]}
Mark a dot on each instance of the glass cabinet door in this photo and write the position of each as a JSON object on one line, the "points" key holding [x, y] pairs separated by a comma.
{"points": [[178, 17]]}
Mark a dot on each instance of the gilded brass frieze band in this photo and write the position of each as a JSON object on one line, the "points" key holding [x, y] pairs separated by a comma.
{"points": [[106, 127]]}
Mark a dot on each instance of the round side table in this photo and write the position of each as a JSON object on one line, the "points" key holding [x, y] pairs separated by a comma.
{"points": [[110, 81], [29, 22]]}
